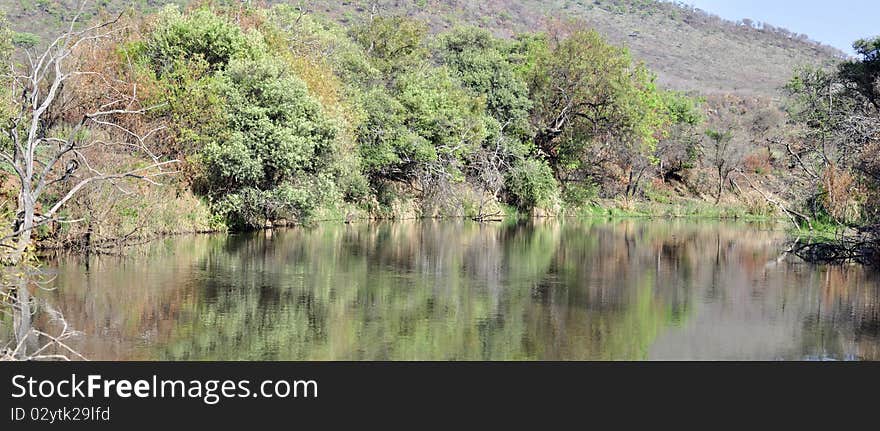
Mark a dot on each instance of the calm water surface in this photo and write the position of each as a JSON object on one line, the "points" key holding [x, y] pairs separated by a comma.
{"points": [[557, 289]]}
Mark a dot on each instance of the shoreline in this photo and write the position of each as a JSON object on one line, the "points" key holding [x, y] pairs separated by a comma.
{"points": [[610, 214]]}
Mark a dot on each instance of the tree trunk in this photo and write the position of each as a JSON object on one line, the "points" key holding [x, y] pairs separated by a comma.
{"points": [[21, 319], [662, 173], [720, 186], [27, 206]]}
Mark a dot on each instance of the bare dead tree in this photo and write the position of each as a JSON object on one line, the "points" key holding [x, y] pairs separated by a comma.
{"points": [[45, 346], [41, 159], [29, 341], [795, 217]]}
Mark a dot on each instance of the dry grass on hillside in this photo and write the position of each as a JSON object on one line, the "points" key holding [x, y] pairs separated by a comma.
{"points": [[689, 49]]}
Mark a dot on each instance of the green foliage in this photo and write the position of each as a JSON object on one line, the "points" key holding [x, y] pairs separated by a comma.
{"points": [[189, 102], [419, 123], [719, 137], [679, 147], [578, 195], [588, 92], [355, 188], [440, 113], [250, 207], [311, 37], [864, 73], [383, 137], [198, 36], [839, 111], [479, 103], [279, 112], [487, 67], [394, 44], [7, 37], [682, 109], [263, 146], [25, 40], [808, 101], [277, 135], [531, 184], [425, 118]]}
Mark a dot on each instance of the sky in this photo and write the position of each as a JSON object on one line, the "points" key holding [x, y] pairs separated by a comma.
{"points": [[837, 23]]}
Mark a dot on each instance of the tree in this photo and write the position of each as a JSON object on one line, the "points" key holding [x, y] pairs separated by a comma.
{"points": [[394, 44], [723, 156], [486, 67], [585, 93], [761, 125], [201, 35], [836, 153], [863, 75], [268, 163], [678, 149], [420, 126], [839, 136], [531, 184], [46, 152]]}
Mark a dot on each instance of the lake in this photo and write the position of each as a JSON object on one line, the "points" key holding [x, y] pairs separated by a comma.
{"points": [[550, 289]]}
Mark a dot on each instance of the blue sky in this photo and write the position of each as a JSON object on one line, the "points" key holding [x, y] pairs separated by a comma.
{"points": [[837, 23]]}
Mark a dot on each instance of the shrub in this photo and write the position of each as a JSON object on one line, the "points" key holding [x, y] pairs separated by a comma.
{"points": [[278, 143], [531, 184], [200, 35], [577, 195]]}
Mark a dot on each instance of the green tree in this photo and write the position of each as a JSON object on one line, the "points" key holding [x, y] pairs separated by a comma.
{"points": [[721, 153], [420, 126], [394, 44], [586, 92], [864, 73], [678, 149], [269, 163], [199, 35], [531, 184], [839, 120], [425, 126], [486, 67]]}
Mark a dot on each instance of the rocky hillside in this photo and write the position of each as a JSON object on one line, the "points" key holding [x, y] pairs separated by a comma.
{"points": [[688, 48]]}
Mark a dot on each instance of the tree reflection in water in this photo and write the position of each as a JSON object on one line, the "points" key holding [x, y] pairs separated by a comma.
{"points": [[546, 289]]}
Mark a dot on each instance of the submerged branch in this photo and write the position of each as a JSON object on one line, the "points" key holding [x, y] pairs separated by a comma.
{"points": [[862, 248]]}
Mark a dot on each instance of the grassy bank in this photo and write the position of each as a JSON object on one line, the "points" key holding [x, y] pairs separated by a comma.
{"points": [[681, 208]]}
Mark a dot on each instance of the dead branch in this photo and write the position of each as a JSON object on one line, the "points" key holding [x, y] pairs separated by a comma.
{"points": [[792, 215], [40, 160]]}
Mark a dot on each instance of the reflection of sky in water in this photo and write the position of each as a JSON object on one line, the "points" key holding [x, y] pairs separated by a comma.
{"points": [[570, 289]]}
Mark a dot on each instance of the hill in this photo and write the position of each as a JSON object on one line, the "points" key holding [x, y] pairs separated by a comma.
{"points": [[688, 48]]}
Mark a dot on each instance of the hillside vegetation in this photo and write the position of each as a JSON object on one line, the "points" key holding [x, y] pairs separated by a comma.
{"points": [[687, 48]]}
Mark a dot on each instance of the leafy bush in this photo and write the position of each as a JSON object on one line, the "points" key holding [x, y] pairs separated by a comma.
{"points": [[578, 195], [486, 66], [277, 134], [394, 44], [252, 208], [531, 184], [25, 39], [200, 35], [424, 119]]}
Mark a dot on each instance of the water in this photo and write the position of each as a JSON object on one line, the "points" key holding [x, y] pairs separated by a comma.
{"points": [[570, 289]]}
